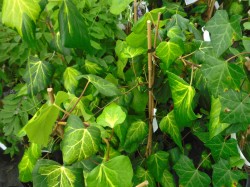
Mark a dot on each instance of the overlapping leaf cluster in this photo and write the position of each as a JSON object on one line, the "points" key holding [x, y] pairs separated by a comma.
{"points": [[95, 58]]}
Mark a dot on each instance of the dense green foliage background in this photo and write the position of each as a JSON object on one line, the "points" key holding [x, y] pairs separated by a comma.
{"points": [[93, 58]]}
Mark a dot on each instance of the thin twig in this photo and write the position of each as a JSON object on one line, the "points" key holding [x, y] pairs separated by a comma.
{"points": [[204, 160], [242, 53], [78, 100]]}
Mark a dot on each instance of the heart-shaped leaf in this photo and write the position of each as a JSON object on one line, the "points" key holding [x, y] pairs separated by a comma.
{"points": [[51, 173], [115, 172], [79, 142], [111, 116]]}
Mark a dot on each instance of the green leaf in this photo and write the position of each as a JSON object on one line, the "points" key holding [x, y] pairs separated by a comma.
{"points": [[70, 79], [168, 125], [40, 126], [215, 125], [137, 131], [117, 6], [28, 162], [103, 86], [28, 30], [167, 179], [73, 30], [38, 75], [78, 142], [157, 163], [246, 25], [222, 31], [189, 176], [221, 148], [115, 172], [142, 175], [235, 107], [246, 43], [111, 116], [22, 16], [223, 175], [220, 74], [140, 101], [130, 52], [169, 51], [51, 173], [176, 32], [183, 95]]}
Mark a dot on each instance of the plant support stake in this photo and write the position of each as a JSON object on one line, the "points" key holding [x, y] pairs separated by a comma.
{"points": [[51, 95], [135, 11], [150, 94]]}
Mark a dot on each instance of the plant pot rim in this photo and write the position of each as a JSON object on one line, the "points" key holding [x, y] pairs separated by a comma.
{"points": [[247, 163]]}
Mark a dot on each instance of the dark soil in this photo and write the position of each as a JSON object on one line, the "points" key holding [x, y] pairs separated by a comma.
{"points": [[9, 171]]}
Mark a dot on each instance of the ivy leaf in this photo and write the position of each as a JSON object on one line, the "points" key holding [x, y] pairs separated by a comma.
{"points": [[224, 176], [157, 163], [103, 86], [167, 179], [220, 74], [183, 95], [142, 175], [169, 51], [51, 173], [117, 6], [28, 30], [235, 107], [140, 101], [111, 116], [215, 125], [70, 78], [37, 75], [28, 162], [130, 52], [176, 32], [137, 131], [73, 30], [22, 16], [222, 31], [39, 127], [78, 142], [168, 125], [221, 148], [189, 176], [115, 172], [246, 43]]}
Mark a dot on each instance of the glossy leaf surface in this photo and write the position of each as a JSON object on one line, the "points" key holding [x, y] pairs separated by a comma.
{"points": [[183, 95], [189, 175], [235, 107], [168, 125], [111, 116], [157, 163], [51, 173], [115, 172], [79, 142], [38, 75], [223, 175], [103, 86]]}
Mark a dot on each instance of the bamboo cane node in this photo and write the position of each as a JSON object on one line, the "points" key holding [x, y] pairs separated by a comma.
{"points": [[151, 50]]}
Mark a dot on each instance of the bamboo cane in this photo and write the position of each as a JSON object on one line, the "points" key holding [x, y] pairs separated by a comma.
{"points": [[135, 11], [150, 94]]}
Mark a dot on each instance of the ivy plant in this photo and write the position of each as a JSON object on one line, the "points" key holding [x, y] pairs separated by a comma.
{"points": [[108, 93]]}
